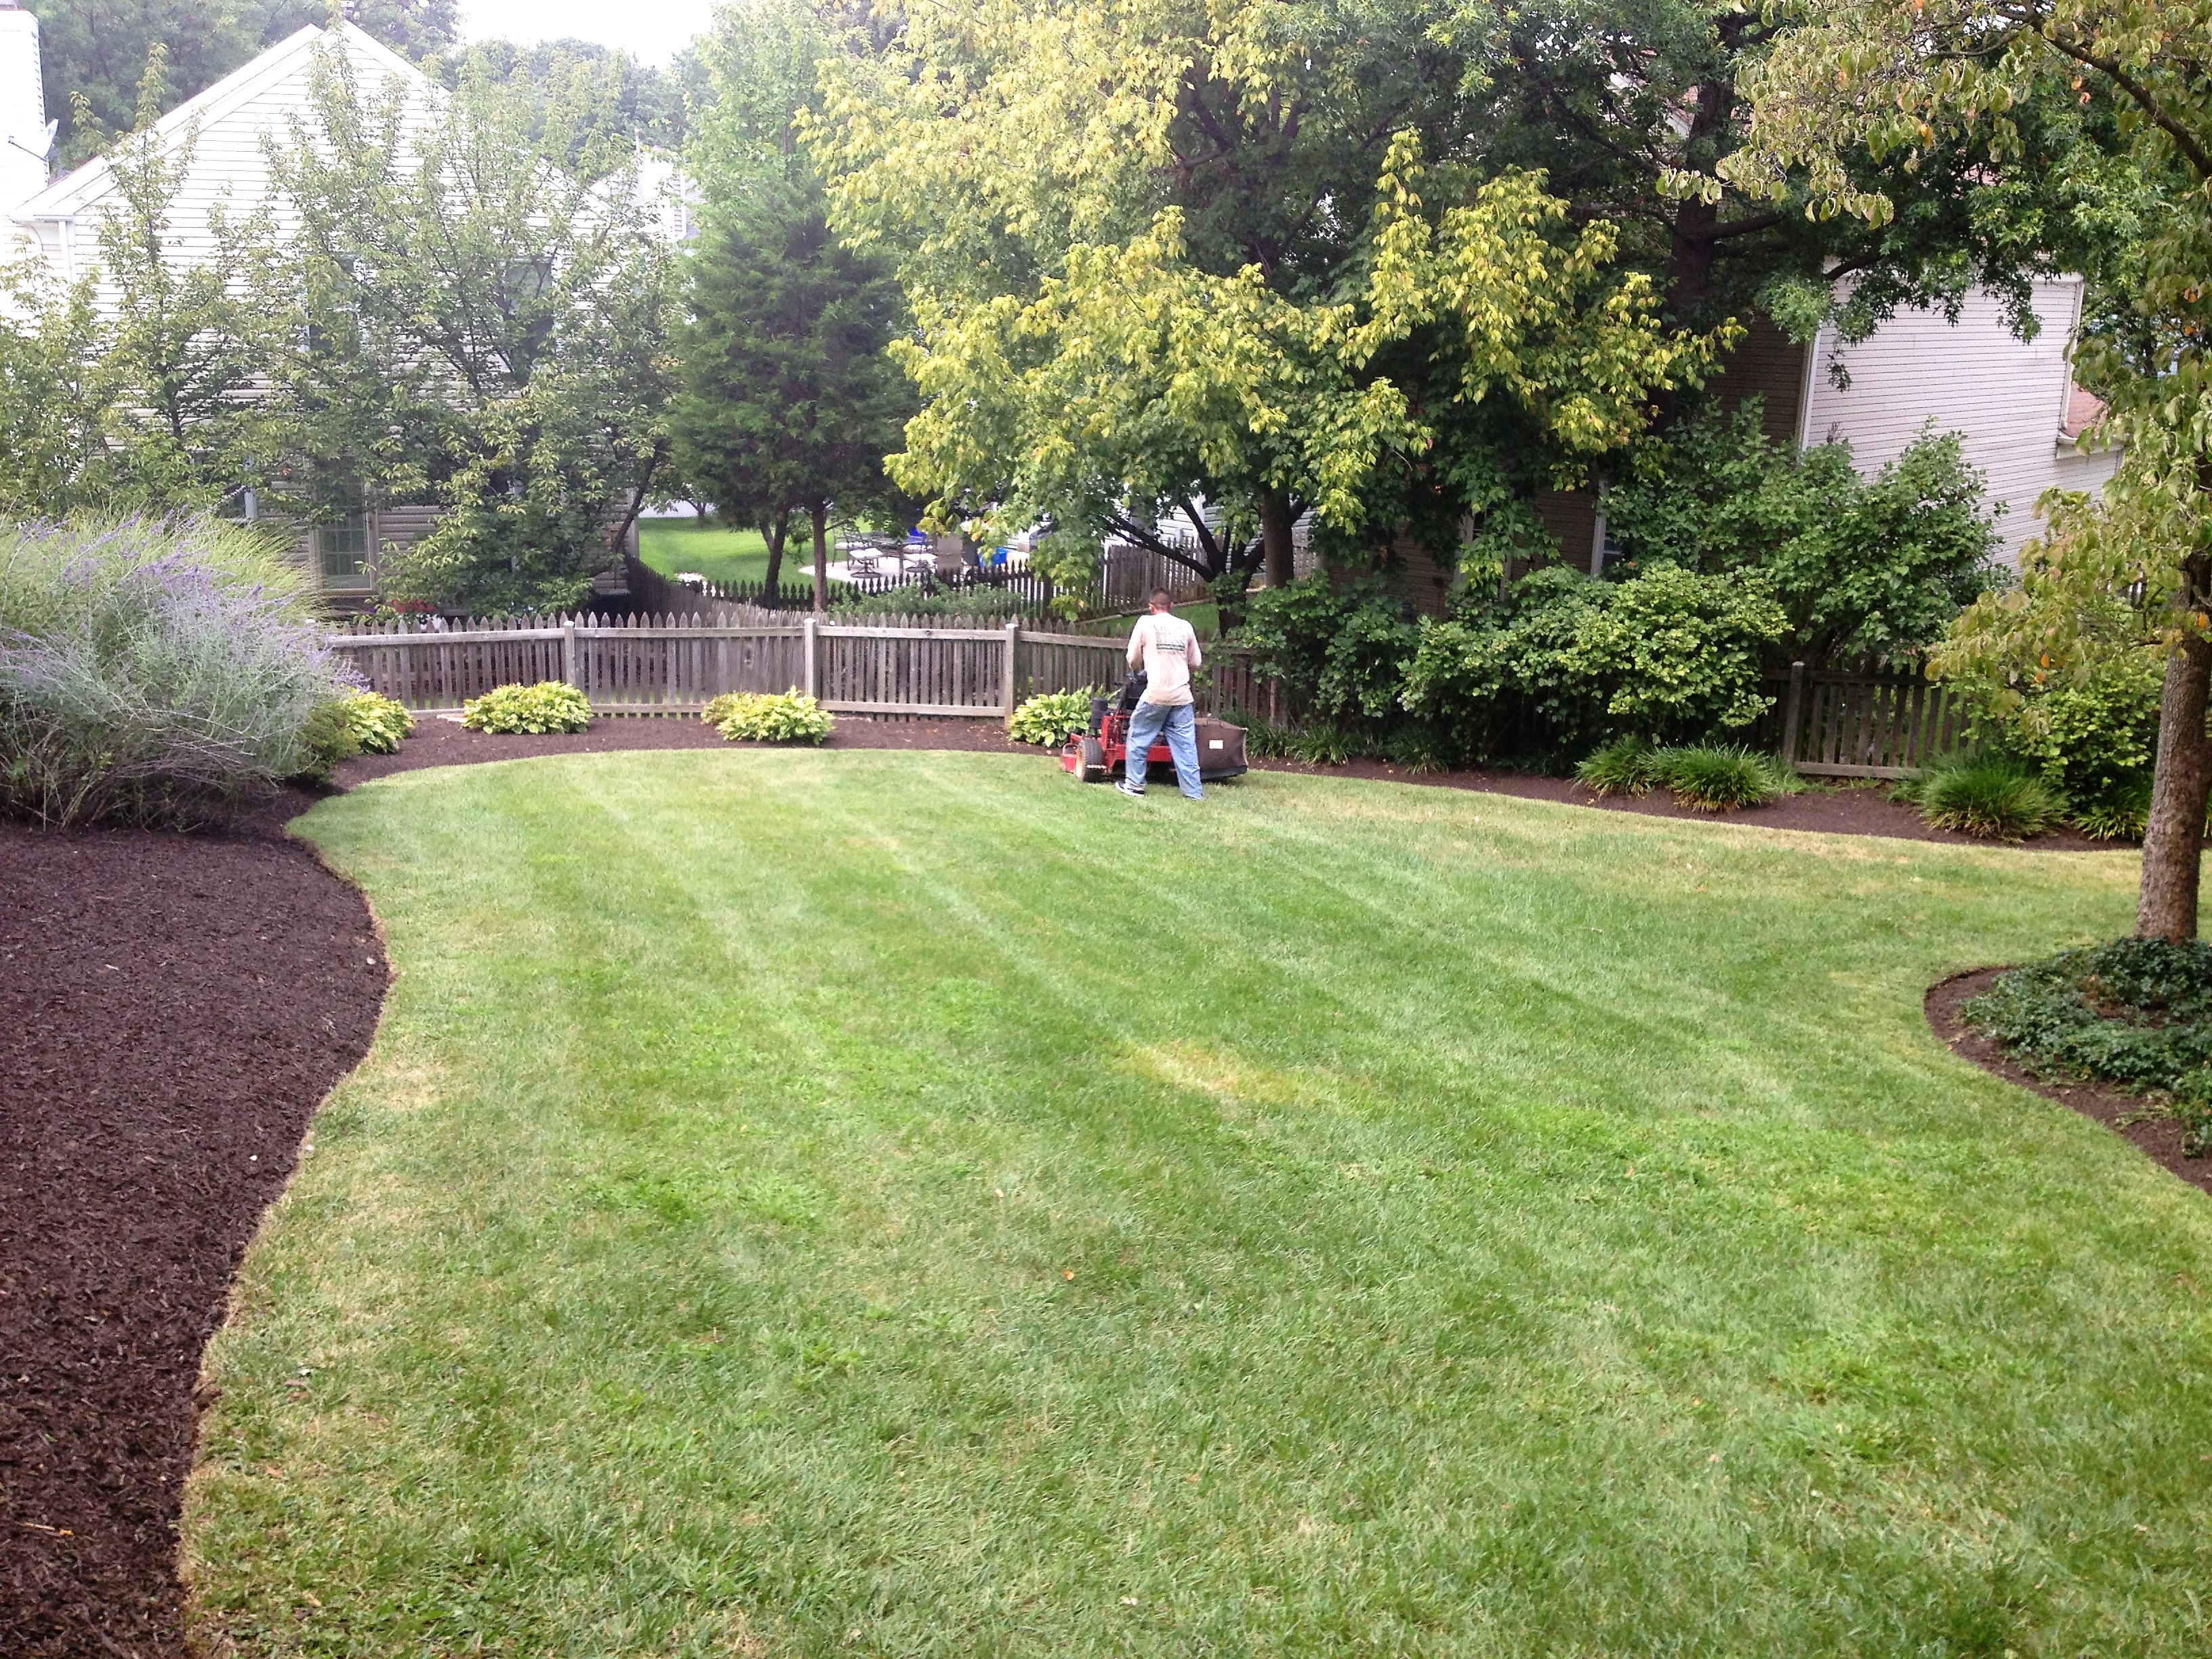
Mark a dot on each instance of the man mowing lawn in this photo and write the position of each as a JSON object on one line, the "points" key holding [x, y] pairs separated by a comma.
{"points": [[1167, 647]]}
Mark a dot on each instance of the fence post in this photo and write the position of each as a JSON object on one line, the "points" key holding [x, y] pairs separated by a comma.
{"points": [[569, 652], [1790, 713], [809, 644], [1007, 675]]}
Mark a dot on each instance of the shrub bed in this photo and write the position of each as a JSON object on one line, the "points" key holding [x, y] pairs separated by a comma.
{"points": [[548, 706]]}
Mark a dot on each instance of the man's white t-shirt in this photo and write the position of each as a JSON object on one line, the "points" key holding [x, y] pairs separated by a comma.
{"points": [[1167, 647]]}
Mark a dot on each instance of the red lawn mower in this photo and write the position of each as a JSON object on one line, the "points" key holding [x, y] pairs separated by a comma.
{"points": [[1102, 753]]}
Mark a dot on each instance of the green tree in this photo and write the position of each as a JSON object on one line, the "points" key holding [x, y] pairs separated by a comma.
{"points": [[1899, 76], [1169, 252], [137, 388], [485, 330], [96, 50], [791, 400]]}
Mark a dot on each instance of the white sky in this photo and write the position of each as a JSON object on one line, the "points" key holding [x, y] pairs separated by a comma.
{"points": [[654, 30]]}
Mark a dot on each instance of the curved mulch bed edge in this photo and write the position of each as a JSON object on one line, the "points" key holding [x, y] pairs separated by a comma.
{"points": [[1848, 811], [173, 1009], [2159, 1139]]}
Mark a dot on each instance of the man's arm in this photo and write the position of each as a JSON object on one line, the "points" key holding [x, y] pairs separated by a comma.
{"points": [[1137, 641], [1197, 658]]}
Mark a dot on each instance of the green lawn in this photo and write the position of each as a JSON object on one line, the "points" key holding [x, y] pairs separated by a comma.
{"points": [[880, 1203], [670, 545]]}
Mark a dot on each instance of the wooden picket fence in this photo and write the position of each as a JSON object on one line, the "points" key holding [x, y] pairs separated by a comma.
{"points": [[898, 666], [1859, 723]]}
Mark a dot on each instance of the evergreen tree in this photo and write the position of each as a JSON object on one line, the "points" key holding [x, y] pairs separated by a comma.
{"points": [[790, 399]]}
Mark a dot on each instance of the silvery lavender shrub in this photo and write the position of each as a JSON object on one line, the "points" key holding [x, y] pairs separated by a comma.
{"points": [[153, 672]]}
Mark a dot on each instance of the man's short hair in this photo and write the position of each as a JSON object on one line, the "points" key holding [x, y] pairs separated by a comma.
{"points": [[1161, 596]]}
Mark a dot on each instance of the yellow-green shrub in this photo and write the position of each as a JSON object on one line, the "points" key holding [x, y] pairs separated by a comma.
{"points": [[548, 706]]}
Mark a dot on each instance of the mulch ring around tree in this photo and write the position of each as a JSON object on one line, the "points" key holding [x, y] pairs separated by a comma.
{"points": [[2160, 1138], [171, 1010]]}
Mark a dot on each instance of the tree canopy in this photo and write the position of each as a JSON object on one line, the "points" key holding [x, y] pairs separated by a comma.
{"points": [[1161, 251], [790, 399]]}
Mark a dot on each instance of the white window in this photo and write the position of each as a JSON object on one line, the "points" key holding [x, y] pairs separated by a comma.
{"points": [[345, 545]]}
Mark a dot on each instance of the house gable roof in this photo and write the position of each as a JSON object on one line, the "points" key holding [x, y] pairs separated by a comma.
{"points": [[75, 192]]}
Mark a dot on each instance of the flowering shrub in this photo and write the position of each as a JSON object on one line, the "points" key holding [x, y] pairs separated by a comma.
{"points": [[548, 706], [1050, 719], [153, 672], [377, 723], [760, 717]]}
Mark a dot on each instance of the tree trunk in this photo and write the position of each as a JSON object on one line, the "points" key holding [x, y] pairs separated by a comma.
{"points": [[774, 529], [2173, 840], [1275, 523], [821, 555]]}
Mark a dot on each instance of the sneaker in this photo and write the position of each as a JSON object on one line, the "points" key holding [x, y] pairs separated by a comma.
{"points": [[1123, 786]]}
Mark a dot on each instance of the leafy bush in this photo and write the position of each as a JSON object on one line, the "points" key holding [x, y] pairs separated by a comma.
{"points": [[2135, 1012], [1861, 567], [548, 706], [1561, 661], [1622, 767], [379, 724], [980, 602], [1340, 648], [153, 672], [2088, 721], [1715, 778], [1996, 796], [326, 740], [1051, 719], [2193, 1107], [762, 717]]}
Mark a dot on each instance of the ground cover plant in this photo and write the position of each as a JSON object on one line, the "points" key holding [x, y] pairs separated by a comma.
{"points": [[1506, 1229], [770, 717], [548, 706], [2135, 1012], [156, 672]]}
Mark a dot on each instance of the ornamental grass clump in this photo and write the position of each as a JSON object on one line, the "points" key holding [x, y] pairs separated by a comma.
{"points": [[1721, 778], [1995, 797], [1623, 767], [1051, 718], [761, 717], [378, 723], [156, 671], [548, 706], [2136, 1012]]}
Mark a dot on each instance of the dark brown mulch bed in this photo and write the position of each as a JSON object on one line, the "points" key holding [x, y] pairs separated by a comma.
{"points": [[172, 1008], [2159, 1138]]}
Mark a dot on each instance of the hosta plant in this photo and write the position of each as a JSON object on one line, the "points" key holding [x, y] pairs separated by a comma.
{"points": [[1051, 718], [548, 706], [761, 717], [379, 723]]}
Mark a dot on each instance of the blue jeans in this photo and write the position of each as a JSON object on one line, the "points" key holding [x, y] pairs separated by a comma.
{"points": [[1181, 726]]}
